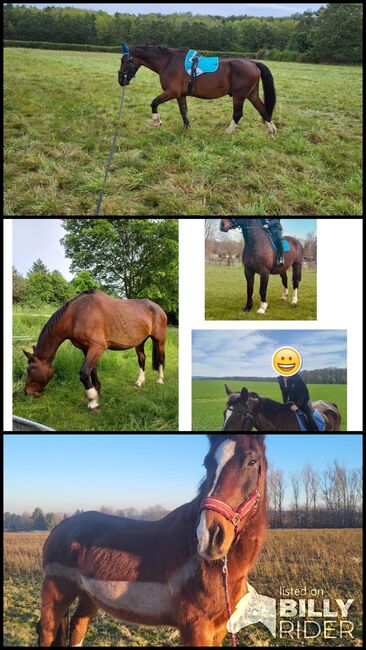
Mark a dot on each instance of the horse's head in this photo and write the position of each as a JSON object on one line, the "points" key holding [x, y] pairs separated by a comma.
{"points": [[238, 415], [235, 483], [228, 224], [39, 373], [129, 66]]}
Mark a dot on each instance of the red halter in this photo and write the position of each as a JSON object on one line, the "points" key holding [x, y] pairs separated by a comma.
{"points": [[235, 516]]}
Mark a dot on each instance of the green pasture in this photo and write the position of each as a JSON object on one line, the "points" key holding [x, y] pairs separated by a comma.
{"points": [[63, 405], [226, 295], [209, 399], [61, 106]]}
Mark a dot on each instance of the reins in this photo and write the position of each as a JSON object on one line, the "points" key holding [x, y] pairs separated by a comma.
{"points": [[109, 161]]}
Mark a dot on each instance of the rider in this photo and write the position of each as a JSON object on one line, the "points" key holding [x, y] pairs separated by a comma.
{"points": [[275, 227], [294, 389]]}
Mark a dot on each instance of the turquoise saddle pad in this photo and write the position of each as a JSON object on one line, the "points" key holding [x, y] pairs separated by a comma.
{"points": [[317, 417], [286, 245], [205, 63]]}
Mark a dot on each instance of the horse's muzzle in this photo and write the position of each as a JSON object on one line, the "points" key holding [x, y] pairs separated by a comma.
{"points": [[122, 79]]}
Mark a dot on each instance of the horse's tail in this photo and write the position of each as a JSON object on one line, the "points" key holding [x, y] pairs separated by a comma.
{"points": [[268, 87], [63, 632]]}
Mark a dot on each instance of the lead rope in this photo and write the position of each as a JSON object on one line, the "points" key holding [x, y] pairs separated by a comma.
{"points": [[225, 572], [109, 161]]}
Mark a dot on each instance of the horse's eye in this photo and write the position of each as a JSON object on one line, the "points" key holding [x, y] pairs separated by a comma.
{"points": [[252, 462]]}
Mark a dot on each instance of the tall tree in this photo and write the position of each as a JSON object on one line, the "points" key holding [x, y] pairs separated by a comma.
{"points": [[133, 258], [19, 286], [39, 520]]}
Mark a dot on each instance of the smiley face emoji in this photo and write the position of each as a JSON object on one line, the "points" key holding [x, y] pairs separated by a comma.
{"points": [[287, 362]]}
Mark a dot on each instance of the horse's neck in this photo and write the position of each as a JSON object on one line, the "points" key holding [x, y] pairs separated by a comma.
{"points": [[262, 421], [152, 62], [252, 232], [49, 342]]}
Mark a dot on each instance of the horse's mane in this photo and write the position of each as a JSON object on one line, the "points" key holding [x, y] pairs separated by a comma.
{"points": [[164, 48], [47, 329]]}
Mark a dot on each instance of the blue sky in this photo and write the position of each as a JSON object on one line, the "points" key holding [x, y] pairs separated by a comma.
{"points": [[214, 8], [64, 472], [222, 353], [39, 238]]}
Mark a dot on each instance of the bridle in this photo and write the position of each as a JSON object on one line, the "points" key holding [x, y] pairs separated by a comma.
{"points": [[250, 506], [245, 414], [130, 68], [236, 517]]}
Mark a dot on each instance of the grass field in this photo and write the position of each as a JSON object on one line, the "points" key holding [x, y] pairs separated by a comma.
{"points": [[60, 111], [209, 399], [63, 405], [226, 295], [310, 558]]}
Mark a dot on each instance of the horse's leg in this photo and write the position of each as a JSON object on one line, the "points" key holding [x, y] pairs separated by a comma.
{"points": [[263, 292], [250, 289], [258, 104], [238, 103], [86, 611], [91, 360], [166, 96], [57, 595], [140, 350], [159, 358], [284, 279], [182, 103], [297, 269]]}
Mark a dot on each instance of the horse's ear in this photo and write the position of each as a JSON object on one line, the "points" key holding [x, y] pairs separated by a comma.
{"points": [[244, 395], [29, 355], [228, 390]]}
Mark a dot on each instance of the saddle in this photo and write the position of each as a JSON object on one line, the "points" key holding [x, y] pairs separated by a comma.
{"points": [[303, 423], [196, 64], [286, 245]]}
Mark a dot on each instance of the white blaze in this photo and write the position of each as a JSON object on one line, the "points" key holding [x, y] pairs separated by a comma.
{"points": [[223, 455]]}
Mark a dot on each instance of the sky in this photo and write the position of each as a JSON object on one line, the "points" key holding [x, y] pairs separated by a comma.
{"points": [[61, 473], [222, 353], [213, 8], [39, 238]]}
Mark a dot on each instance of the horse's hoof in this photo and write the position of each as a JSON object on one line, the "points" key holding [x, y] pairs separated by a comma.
{"points": [[247, 309], [160, 382], [92, 408], [261, 311], [139, 384]]}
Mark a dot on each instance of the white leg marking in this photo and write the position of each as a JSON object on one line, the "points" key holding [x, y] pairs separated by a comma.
{"points": [[231, 128], [141, 379], [295, 299], [263, 308], [285, 294], [161, 375], [92, 395], [272, 130], [156, 119], [78, 645]]}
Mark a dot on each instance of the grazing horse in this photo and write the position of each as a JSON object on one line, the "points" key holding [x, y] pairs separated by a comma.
{"points": [[237, 77], [94, 322], [167, 572], [247, 411], [259, 256]]}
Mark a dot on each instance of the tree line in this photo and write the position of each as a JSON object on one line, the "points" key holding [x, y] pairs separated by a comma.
{"points": [[320, 376], [333, 34], [328, 499], [38, 520], [126, 258]]}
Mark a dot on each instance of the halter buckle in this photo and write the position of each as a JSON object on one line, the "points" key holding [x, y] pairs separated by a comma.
{"points": [[236, 520]]}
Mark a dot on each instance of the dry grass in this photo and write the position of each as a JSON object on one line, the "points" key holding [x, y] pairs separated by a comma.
{"points": [[318, 559]]}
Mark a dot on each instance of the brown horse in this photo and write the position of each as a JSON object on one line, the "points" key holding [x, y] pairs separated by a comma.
{"points": [[167, 572], [246, 411], [94, 322], [237, 77], [259, 256]]}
